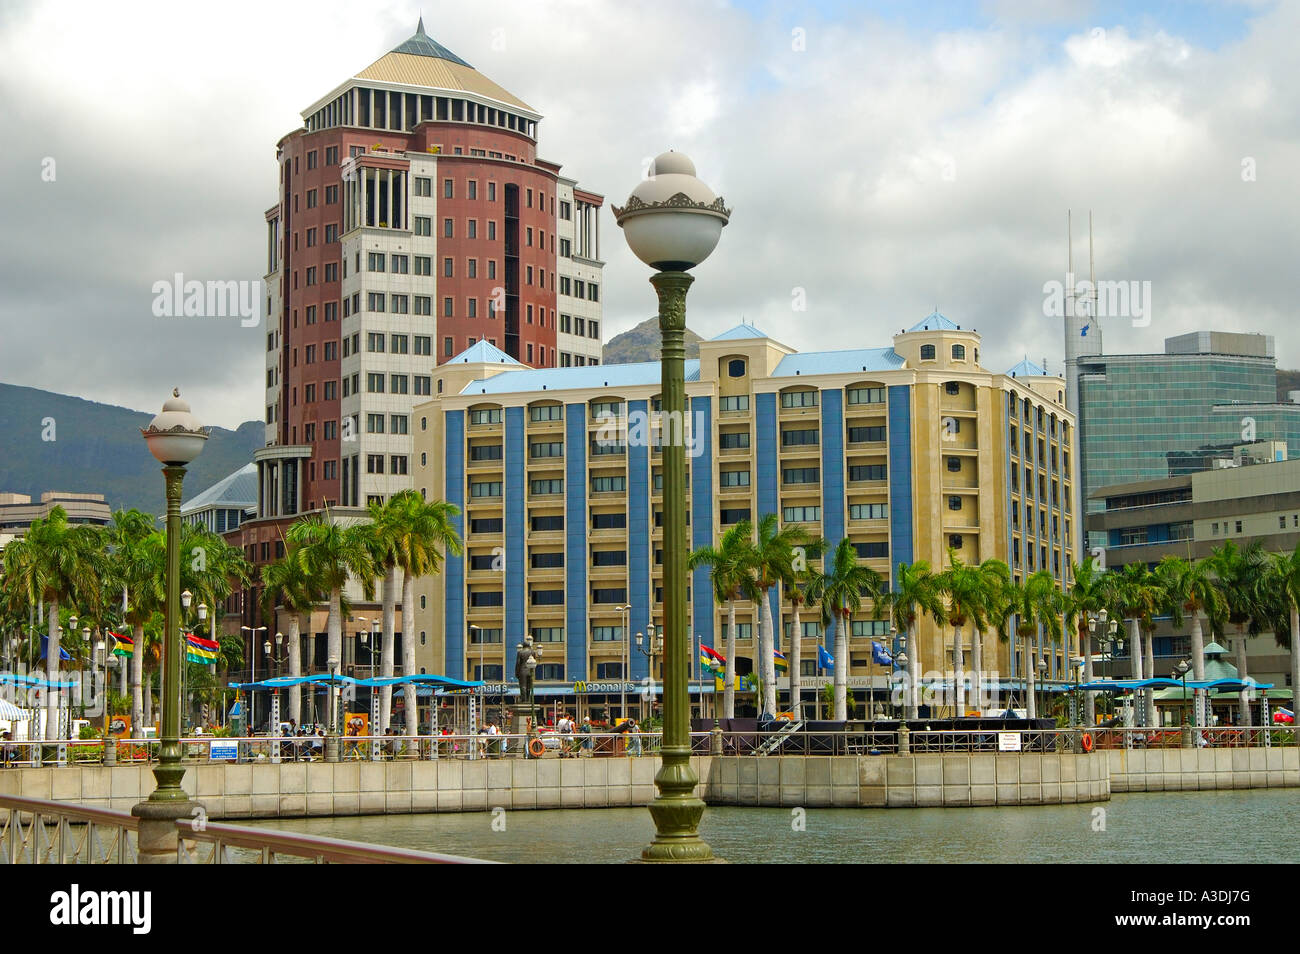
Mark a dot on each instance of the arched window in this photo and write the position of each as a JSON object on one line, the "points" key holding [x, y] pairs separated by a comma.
{"points": [[927, 352], [959, 352], [736, 368]]}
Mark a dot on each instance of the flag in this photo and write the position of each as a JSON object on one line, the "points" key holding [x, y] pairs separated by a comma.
{"points": [[712, 662], [200, 650], [824, 659], [45, 650], [780, 661], [879, 656], [122, 645]]}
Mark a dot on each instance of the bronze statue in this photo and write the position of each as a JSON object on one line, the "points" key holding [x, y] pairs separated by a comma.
{"points": [[526, 658]]}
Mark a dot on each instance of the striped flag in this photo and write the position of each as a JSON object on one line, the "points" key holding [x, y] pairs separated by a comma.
{"points": [[713, 662], [781, 664], [200, 650], [122, 645]]}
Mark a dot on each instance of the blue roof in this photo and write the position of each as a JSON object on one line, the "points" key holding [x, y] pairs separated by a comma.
{"points": [[838, 362], [485, 353], [934, 322], [421, 44], [1026, 368], [572, 379], [235, 490], [741, 330]]}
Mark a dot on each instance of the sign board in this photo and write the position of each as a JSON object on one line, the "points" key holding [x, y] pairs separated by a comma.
{"points": [[120, 726], [223, 749], [604, 688], [1008, 741]]}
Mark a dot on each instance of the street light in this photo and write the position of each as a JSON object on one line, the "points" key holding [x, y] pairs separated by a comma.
{"points": [[650, 651], [1182, 668], [901, 659], [1042, 685], [672, 221], [626, 663], [175, 437]]}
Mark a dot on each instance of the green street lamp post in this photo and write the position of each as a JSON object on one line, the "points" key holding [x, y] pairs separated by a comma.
{"points": [[175, 438], [672, 221]]}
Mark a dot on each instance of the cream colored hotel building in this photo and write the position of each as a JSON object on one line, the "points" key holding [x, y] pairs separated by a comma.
{"points": [[906, 450]]}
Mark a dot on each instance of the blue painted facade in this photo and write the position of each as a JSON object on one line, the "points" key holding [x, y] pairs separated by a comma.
{"points": [[702, 516], [900, 476], [832, 404], [638, 541], [514, 494], [767, 440], [575, 540], [453, 570]]}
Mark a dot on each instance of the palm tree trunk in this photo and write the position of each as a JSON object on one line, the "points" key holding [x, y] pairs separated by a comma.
{"points": [[408, 655], [295, 667], [1135, 657], [1295, 663], [977, 668], [1243, 707], [1198, 670], [386, 653], [334, 651], [792, 660], [766, 661], [137, 678], [52, 670], [729, 687], [1150, 691], [1089, 697], [956, 672], [1031, 700], [840, 679], [148, 701], [913, 669]]}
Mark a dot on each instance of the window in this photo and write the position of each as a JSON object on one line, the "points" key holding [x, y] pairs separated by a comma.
{"points": [[801, 514], [866, 435], [375, 423], [866, 395], [603, 485], [868, 511], [800, 475], [546, 412], [736, 439], [725, 515], [488, 416], [609, 595], [486, 525], [869, 627], [423, 383], [872, 551], [954, 502], [375, 382], [958, 354], [955, 540], [744, 631], [799, 399], [423, 225], [726, 478], [485, 452], [952, 387], [607, 634], [485, 488], [546, 487], [398, 383], [546, 449], [548, 634], [954, 465], [423, 345], [736, 402], [793, 438], [448, 229], [400, 344], [423, 265], [397, 464], [927, 352], [375, 261], [608, 521], [375, 342], [423, 186], [447, 309], [604, 409], [398, 424], [374, 463], [423, 305], [375, 301]]}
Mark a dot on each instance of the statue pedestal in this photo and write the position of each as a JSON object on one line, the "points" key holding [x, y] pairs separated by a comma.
{"points": [[525, 726]]}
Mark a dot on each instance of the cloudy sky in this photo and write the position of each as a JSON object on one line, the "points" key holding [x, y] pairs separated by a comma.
{"points": [[882, 159]]}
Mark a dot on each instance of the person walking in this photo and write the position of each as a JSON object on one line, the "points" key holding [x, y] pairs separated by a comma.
{"points": [[585, 731]]}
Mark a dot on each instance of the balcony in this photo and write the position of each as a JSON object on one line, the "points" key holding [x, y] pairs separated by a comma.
{"points": [[735, 451]]}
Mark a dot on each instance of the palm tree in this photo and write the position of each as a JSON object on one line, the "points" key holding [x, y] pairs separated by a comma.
{"points": [[54, 562], [425, 532], [915, 593], [973, 591], [1190, 588], [286, 585], [1086, 598], [1286, 580], [1240, 576], [840, 590], [729, 573], [136, 564], [385, 529], [773, 560], [1140, 595], [1037, 602], [796, 586], [329, 554]]}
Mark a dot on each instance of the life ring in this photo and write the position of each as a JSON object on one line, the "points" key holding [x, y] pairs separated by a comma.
{"points": [[536, 748], [1087, 741]]}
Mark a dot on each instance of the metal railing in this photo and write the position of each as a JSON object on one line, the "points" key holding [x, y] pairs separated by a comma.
{"points": [[33, 831], [37, 832]]}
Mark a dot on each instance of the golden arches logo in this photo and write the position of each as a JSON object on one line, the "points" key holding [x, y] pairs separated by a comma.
{"points": [[579, 687]]}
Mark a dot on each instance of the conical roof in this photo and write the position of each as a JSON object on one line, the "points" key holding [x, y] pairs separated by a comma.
{"points": [[422, 61]]}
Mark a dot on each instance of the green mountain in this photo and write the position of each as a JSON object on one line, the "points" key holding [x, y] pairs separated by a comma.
{"points": [[97, 448], [1287, 381], [642, 344]]}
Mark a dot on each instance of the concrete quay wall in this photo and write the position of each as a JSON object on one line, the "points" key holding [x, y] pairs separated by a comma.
{"points": [[909, 781], [297, 789], [1171, 770]]}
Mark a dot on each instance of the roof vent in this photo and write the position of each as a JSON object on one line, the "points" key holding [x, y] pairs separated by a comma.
{"points": [[796, 372]]}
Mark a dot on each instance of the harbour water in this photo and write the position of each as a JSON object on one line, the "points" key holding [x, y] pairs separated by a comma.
{"points": [[1165, 827]]}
